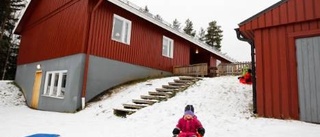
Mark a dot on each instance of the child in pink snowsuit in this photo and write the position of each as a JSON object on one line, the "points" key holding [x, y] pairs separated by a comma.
{"points": [[189, 126]]}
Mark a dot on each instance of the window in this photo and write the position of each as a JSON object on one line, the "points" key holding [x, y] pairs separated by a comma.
{"points": [[167, 47], [121, 30], [218, 62], [55, 83]]}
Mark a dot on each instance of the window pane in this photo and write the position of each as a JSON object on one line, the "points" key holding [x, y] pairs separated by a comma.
{"points": [[47, 90], [121, 30], [63, 84], [164, 50], [55, 86], [56, 78], [171, 48], [165, 46], [165, 41], [64, 80], [169, 51], [126, 32], [117, 29], [49, 79]]}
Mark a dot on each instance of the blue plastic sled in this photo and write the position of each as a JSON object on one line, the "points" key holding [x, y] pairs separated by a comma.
{"points": [[44, 135]]}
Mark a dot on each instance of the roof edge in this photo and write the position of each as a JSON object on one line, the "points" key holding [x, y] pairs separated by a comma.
{"points": [[125, 5], [263, 11], [17, 29]]}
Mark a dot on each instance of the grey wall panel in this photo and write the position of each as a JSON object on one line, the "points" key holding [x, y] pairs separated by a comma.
{"points": [[308, 59], [106, 73], [71, 101], [103, 74], [302, 100], [25, 76], [316, 43]]}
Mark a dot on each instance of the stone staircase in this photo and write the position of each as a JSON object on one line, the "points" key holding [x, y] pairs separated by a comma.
{"points": [[160, 94]]}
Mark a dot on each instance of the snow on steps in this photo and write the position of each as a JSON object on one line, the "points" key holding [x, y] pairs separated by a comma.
{"points": [[155, 93], [134, 106], [170, 87], [160, 98], [144, 101], [160, 94]]}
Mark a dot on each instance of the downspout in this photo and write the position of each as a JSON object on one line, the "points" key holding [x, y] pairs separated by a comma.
{"points": [[88, 44], [254, 89]]}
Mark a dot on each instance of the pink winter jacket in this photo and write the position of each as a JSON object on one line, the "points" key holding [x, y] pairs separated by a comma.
{"points": [[188, 127]]}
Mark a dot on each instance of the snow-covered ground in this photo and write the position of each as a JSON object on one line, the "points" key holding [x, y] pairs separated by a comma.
{"points": [[222, 104]]}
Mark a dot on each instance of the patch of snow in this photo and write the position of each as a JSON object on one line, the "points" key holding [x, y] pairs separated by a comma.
{"points": [[222, 104], [10, 95]]}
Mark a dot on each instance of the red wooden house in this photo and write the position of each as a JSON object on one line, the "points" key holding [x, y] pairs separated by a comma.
{"points": [[285, 39], [73, 50]]}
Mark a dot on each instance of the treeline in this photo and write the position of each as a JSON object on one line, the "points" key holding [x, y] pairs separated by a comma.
{"points": [[9, 43], [211, 35]]}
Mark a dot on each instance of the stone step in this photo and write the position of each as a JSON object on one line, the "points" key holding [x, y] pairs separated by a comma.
{"points": [[123, 112], [187, 78], [153, 97], [155, 93], [165, 90], [143, 101], [199, 78], [182, 81], [176, 84], [170, 87], [134, 106]]}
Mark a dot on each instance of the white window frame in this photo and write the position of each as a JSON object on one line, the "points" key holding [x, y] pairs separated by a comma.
{"points": [[50, 89], [167, 47], [125, 35]]}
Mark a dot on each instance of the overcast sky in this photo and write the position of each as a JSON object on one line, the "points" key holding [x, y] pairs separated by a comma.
{"points": [[227, 13]]}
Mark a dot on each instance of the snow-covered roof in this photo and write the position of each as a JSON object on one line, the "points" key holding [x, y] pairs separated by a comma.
{"points": [[129, 6]]}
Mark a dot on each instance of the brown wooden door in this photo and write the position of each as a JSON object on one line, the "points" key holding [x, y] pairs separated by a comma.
{"points": [[36, 89]]}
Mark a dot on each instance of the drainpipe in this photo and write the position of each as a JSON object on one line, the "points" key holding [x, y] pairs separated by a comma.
{"points": [[88, 44], [254, 90]]}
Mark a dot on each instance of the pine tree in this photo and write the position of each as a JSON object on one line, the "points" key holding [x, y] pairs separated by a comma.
{"points": [[146, 9], [158, 17], [5, 12], [188, 29], [202, 34], [9, 11], [214, 35], [176, 24]]}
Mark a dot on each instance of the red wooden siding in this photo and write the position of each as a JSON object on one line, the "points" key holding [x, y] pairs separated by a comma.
{"points": [[290, 11], [316, 9], [63, 33], [283, 13], [45, 9], [213, 62], [145, 47], [267, 71], [274, 46], [284, 86], [275, 32], [277, 91], [260, 78], [73, 17], [276, 16]]}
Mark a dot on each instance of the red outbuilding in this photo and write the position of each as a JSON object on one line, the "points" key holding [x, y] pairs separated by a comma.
{"points": [[285, 42], [73, 50]]}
